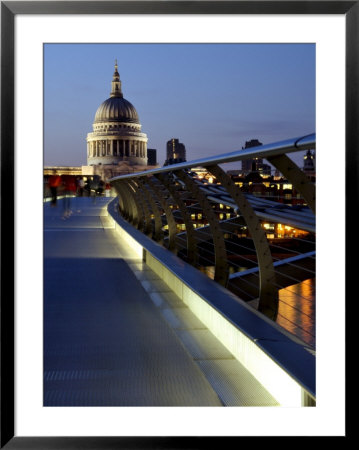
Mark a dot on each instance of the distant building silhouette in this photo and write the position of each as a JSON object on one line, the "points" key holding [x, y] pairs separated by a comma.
{"points": [[309, 162], [254, 164], [151, 156], [176, 152]]}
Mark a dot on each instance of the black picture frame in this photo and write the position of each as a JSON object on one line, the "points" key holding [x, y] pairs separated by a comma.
{"points": [[8, 12]]}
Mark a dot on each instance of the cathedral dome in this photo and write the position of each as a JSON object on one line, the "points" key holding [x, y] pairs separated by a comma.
{"points": [[116, 109], [116, 137]]}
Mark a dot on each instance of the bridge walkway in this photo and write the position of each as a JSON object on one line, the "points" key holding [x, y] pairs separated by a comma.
{"points": [[114, 333]]}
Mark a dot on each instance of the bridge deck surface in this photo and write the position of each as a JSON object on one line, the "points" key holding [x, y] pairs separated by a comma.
{"points": [[114, 333]]}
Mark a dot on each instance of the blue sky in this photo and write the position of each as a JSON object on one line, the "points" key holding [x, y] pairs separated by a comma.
{"points": [[212, 97]]}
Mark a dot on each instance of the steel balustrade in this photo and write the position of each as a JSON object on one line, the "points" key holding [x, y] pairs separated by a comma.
{"points": [[159, 199], [191, 248], [268, 297], [172, 227]]}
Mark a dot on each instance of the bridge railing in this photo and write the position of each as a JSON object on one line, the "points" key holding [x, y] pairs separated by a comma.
{"points": [[248, 243]]}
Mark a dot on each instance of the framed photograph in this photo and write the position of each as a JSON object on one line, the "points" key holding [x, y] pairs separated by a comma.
{"points": [[37, 66]]}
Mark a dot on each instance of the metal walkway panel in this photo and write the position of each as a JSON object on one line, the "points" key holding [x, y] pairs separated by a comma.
{"points": [[202, 344], [105, 342], [155, 285], [162, 300], [182, 318], [235, 385]]}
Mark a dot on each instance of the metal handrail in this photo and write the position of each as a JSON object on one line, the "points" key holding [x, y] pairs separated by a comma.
{"points": [[263, 151], [147, 198]]}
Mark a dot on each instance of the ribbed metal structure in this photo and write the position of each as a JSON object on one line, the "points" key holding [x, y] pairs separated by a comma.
{"points": [[220, 227]]}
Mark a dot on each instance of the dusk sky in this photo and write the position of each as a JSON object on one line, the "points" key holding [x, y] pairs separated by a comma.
{"points": [[212, 97]]}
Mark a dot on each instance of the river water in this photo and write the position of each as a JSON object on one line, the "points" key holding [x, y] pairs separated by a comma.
{"points": [[296, 311]]}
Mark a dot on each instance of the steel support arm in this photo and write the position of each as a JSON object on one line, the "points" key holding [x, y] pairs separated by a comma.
{"points": [[296, 176], [221, 266], [268, 294], [158, 234], [192, 253], [172, 226]]}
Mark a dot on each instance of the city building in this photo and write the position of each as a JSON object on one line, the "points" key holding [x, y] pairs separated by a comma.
{"points": [[309, 165], [254, 164], [63, 170], [151, 156], [175, 152], [276, 188]]}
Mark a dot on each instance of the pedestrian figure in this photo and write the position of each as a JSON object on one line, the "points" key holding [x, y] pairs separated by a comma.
{"points": [[81, 185], [54, 183], [88, 187], [94, 188], [70, 188], [101, 186], [108, 189]]}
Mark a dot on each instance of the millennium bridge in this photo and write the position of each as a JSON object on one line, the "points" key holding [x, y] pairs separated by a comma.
{"points": [[185, 288]]}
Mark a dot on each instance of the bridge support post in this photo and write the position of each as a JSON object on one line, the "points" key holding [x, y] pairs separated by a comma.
{"points": [[296, 176], [192, 255], [138, 202], [123, 200], [268, 294], [121, 205], [132, 205], [147, 226], [158, 233], [172, 227], [221, 266]]}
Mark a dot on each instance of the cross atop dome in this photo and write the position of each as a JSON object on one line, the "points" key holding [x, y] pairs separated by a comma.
{"points": [[116, 83]]}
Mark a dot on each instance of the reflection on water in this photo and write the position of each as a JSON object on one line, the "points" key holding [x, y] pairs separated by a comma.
{"points": [[207, 270], [297, 310]]}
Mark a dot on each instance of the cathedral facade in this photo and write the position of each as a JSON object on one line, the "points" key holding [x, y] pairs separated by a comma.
{"points": [[116, 145]]}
